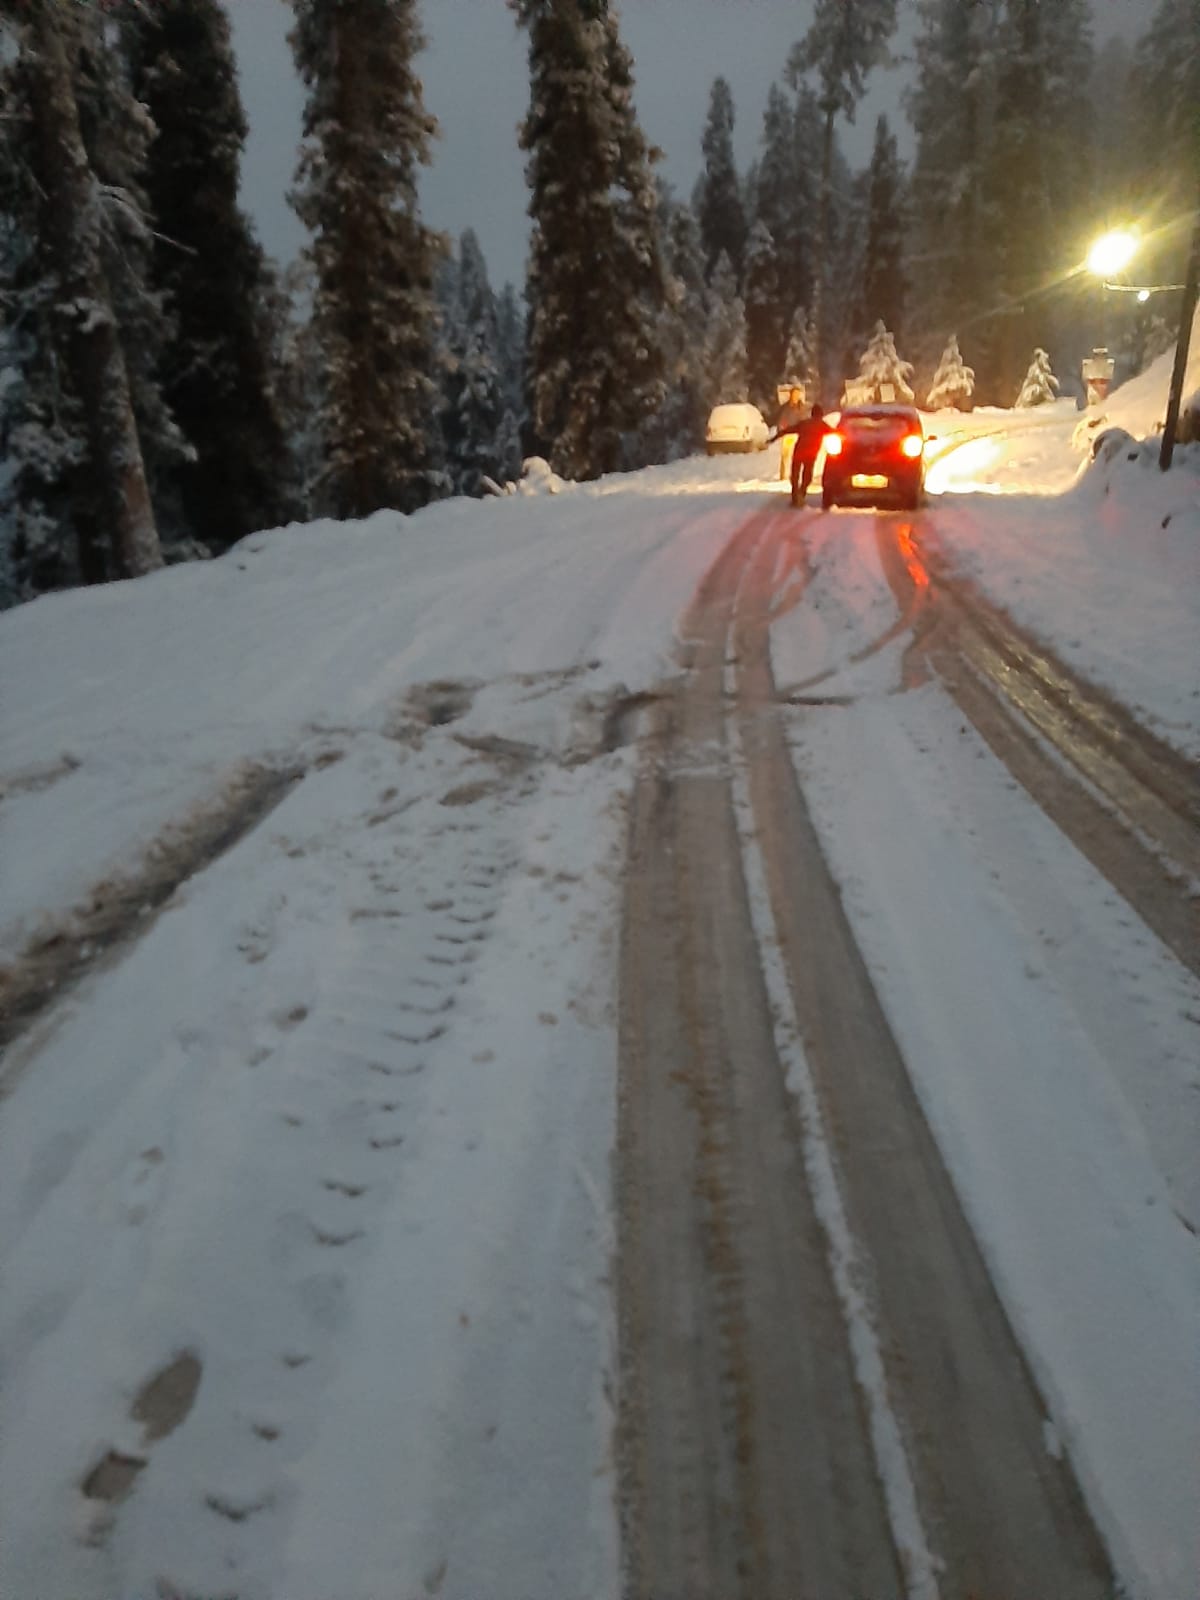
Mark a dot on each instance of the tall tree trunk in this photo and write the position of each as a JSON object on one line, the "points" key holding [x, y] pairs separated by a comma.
{"points": [[824, 206], [94, 356]]}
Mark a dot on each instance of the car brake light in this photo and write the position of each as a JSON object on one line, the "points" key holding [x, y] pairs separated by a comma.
{"points": [[833, 444], [912, 445]]}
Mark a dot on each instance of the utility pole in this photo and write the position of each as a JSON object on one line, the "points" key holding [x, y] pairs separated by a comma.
{"points": [[1187, 314]]}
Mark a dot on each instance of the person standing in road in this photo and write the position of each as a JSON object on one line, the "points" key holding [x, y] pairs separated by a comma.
{"points": [[810, 434], [791, 412]]}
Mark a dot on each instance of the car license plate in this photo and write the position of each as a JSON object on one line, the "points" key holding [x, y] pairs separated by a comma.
{"points": [[868, 480]]}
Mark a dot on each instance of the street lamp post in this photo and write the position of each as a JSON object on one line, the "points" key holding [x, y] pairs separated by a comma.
{"points": [[1109, 256]]}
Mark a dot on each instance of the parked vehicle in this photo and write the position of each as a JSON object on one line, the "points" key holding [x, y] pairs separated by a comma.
{"points": [[875, 454], [735, 428]]}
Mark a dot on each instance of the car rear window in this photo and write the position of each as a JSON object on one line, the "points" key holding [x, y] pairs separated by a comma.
{"points": [[884, 428]]}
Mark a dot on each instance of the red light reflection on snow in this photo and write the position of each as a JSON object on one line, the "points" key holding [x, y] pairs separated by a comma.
{"points": [[917, 569]]}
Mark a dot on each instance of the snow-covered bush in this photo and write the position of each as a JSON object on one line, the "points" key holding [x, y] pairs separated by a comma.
{"points": [[538, 477], [881, 369], [953, 382], [1040, 384]]}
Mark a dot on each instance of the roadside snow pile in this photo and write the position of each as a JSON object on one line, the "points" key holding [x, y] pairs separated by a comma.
{"points": [[1131, 490]]}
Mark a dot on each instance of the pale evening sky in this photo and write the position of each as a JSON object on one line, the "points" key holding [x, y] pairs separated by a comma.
{"points": [[475, 78]]}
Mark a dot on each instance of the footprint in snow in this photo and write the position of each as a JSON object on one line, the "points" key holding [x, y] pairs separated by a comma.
{"points": [[142, 1186], [160, 1405]]}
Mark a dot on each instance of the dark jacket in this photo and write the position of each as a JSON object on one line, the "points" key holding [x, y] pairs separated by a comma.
{"points": [[810, 433], [789, 417]]}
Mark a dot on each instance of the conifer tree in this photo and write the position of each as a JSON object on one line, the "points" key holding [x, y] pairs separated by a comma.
{"points": [[297, 362], [764, 329], [846, 39], [1166, 90], [218, 380], [117, 135], [952, 109], [510, 338], [366, 134], [884, 281], [1040, 385], [800, 361], [719, 207], [638, 264], [46, 541], [881, 369], [1043, 58], [510, 345], [596, 281], [475, 399], [726, 366], [785, 196], [684, 323], [77, 300], [953, 382]]}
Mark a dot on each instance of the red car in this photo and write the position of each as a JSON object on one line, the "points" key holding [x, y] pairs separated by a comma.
{"points": [[875, 454]]}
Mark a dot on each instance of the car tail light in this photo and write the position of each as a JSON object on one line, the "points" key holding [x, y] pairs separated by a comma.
{"points": [[833, 444], [912, 445]]}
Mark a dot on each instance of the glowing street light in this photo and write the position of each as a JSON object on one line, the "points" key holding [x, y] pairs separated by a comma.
{"points": [[1108, 257], [1112, 253]]}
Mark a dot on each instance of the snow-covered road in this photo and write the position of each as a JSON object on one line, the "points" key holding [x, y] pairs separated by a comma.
{"points": [[307, 1220]]}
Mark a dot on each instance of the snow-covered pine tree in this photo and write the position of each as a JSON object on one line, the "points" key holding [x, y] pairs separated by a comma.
{"points": [[475, 397], [47, 541], [719, 207], [366, 134], [75, 237], [800, 360], [951, 106], [638, 265], [1118, 158], [845, 40], [297, 362], [764, 330], [884, 279], [218, 379], [774, 191], [953, 382], [845, 332], [1166, 87], [117, 134], [1040, 385], [595, 283], [881, 368], [510, 338], [684, 321], [726, 366], [785, 197], [510, 344], [1027, 157]]}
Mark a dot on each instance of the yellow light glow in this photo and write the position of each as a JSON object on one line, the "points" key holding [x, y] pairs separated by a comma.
{"points": [[1112, 253], [912, 444]]}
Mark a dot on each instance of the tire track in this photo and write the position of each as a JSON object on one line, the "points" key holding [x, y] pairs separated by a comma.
{"points": [[1002, 1515], [745, 1465], [1126, 801], [757, 1457], [117, 911]]}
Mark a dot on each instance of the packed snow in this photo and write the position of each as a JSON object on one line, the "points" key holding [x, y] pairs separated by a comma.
{"points": [[335, 1130]]}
